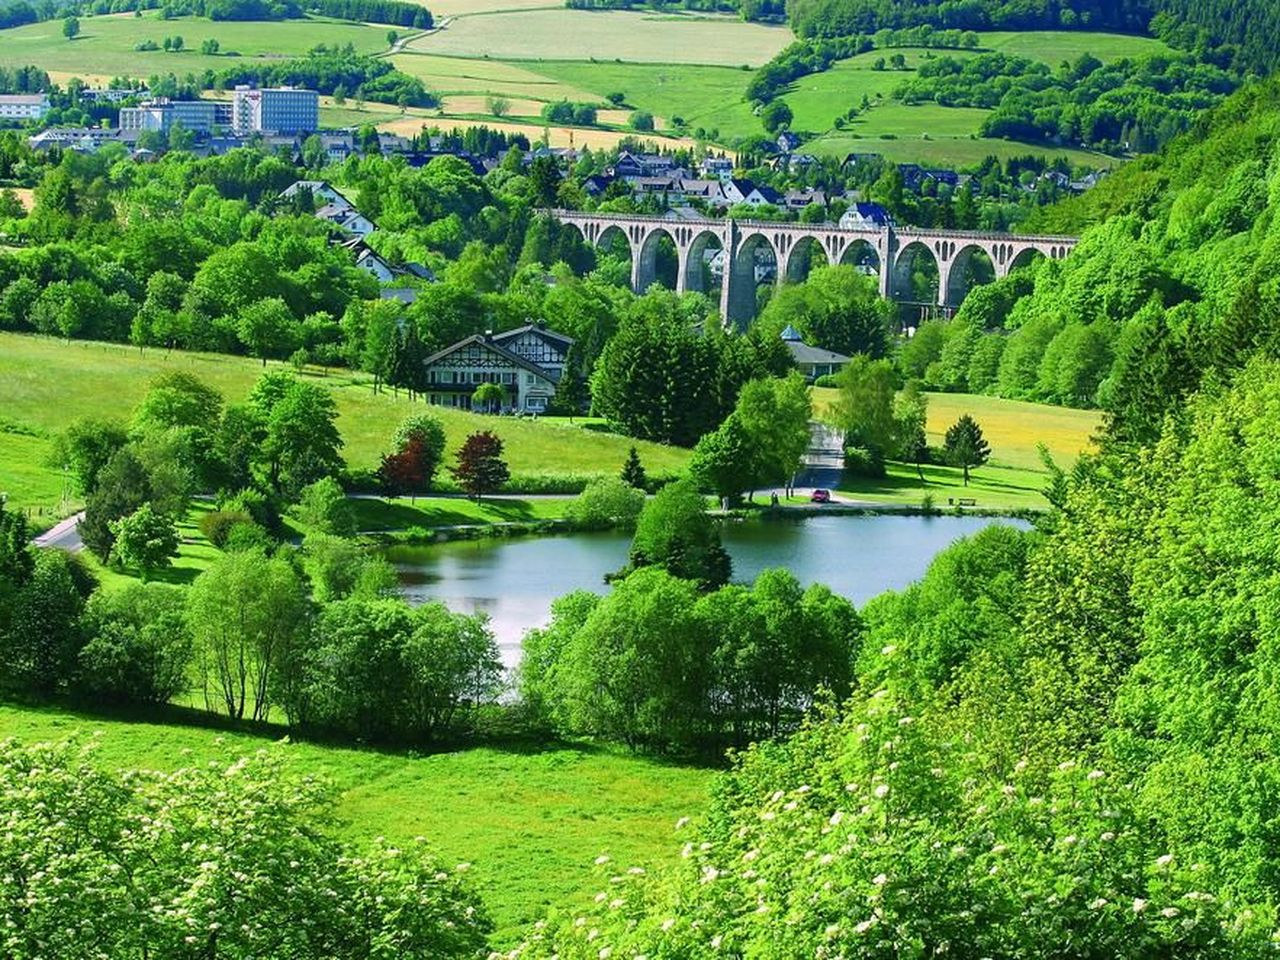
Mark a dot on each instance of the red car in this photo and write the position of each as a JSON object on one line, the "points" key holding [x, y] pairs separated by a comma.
{"points": [[820, 496]]}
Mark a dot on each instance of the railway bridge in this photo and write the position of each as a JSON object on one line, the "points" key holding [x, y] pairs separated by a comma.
{"points": [[891, 253]]}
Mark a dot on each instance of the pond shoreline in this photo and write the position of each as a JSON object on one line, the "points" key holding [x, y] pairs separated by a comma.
{"points": [[508, 529]]}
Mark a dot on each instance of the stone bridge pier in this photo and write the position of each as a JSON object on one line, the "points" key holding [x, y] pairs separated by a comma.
{"points": [[751, 252]]}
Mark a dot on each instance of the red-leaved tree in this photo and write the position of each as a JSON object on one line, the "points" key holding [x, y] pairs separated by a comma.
{"points": [[405, 471], [481, 468]]}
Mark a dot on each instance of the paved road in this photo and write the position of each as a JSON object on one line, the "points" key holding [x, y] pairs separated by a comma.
{"points": [[824, 460], [64, 536]]}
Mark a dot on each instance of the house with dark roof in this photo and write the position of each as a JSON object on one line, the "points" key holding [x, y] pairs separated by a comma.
{"points": [[865, 216], [812, 362], [526, 362], [737, 191]]}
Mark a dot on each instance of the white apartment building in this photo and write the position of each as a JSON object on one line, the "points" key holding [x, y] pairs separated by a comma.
{"points": [[23, 106], [198, 116], [285, 110]]}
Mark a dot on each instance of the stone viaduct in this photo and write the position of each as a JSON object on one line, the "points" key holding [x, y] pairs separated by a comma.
{"points": [[890, 252]]}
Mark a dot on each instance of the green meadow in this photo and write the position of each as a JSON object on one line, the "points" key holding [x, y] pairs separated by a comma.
{"points": [[1054, 46], [45, 383], [530, 821], [105, 46], [1014, 479], [670, 74]]}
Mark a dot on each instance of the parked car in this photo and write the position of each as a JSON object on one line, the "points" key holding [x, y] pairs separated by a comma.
{"points": [[820, 496]]}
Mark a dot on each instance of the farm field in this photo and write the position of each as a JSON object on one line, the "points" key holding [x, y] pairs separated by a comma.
{"points": [[1054, 46], [606, 35], [529, 821], [105, 47], [705, 96], [959, 152], [45, 383], [447, 75], [711, 96], [440, 9], [1013, 479]]}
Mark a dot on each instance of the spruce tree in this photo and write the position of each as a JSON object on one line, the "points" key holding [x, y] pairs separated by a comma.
{"points": [[965, 446], [633, 471]]}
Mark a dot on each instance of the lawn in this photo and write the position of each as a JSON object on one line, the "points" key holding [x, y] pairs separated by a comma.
{"points": [[46, 383], [105, 47], [529, 821], [562, 34], [26, 479], [402, 513], [1013, 479]]}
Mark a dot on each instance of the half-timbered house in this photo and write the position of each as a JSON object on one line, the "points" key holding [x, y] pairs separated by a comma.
{"points": [[527, 362]]}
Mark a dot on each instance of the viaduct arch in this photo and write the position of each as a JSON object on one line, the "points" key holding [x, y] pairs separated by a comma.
{"points": [[959, 257]]}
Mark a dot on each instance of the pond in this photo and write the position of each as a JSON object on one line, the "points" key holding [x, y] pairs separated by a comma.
{"points": [[514, 581]]}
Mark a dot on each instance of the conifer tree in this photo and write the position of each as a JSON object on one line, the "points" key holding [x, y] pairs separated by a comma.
{"points": [[633, 471], [965, 446]]}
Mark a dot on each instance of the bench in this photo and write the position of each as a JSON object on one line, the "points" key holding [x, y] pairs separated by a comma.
{"points": [[962, 502]]}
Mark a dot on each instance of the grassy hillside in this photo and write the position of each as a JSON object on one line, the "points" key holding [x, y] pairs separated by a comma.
{"points": [[614, 52], [45, 383], [1013, 479], [105, 47], [529, 822]]}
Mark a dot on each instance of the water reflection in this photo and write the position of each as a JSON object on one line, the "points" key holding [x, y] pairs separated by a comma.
{"points": [[515, 581]]}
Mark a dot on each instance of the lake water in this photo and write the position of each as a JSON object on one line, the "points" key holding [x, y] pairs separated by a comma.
{"points": [[514, 581]]}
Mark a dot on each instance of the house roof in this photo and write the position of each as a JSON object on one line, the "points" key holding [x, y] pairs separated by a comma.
{"points": [[792, 335], [805, 354], [540, 328], [489, 344], [869, 211], [416, 270]]}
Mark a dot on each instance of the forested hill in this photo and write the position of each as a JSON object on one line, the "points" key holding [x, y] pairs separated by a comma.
{"points": [[1172, 283], [1242, 31], [1063, 744], [1244, 130], [833, 18], [1252, 26]]}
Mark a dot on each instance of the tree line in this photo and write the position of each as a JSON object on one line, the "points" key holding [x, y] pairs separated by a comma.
{"points": [[1125, 106], [676, 659], [317, 633]]}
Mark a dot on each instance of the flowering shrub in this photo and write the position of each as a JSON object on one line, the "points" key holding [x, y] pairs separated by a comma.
{"points": [[223, 861], [865, 837]]}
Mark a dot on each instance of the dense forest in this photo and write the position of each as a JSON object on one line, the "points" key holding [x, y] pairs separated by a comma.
{"points": [[833, 18], [1166, 288], [1243, 32], [1061, 743]]}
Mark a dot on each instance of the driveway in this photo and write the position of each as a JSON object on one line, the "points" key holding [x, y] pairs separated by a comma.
{"points": [[823, 461], [64, 536]]}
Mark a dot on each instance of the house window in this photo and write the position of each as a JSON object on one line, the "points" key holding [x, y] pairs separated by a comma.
{"points": [[508, 378], [529, 379], [536, 403]]}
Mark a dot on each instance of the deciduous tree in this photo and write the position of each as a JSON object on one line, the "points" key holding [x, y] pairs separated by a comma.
{"points": [[480, 468]]}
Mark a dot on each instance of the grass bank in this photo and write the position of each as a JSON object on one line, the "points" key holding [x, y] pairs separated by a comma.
{"points": [[530, 820], [1013, 480], [47, 383]]}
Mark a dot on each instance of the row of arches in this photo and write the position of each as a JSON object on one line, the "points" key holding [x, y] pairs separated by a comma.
{"points": [[923, 272]]}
